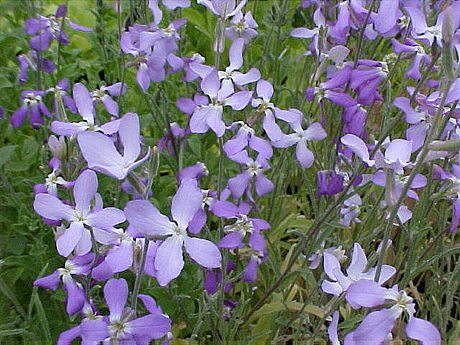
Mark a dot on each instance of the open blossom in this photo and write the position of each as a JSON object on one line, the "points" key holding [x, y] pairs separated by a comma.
{"points": [[246, 137], [78, 265], [102, 155], [62, 99], [300, 138], [46, 28], [223, 8], [209, 116], [77, 236], [231, 76], [377, 325], [85, 107], [242, 26], [146, 219], [121, 324], [104, 93], [254, 168], [32, 104], [355, 271]]}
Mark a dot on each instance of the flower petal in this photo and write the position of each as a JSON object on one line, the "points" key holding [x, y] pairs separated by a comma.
{"points": [[204, 252]]}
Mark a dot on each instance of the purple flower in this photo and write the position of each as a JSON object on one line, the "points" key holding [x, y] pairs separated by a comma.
{"points": [[120, 255], [210, 116], [351, 210], [78, 265], [32, 104], [421, 31], [410, 46], [241, 183], [300, 138], [46, 28], [246, 137], [30, 60], [243, 226], [62, 99], [85, 107], [355, 272], [76, 236], [242, 27], [223, 8], [232, 75], [146, 219], [329, 183], [122, 323], [366, 78], [102, 155], [103, 95], [377, 325]]}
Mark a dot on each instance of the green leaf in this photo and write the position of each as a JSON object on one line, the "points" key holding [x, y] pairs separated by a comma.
{"points": [[6, 153], [276, 307], [196, 18]]}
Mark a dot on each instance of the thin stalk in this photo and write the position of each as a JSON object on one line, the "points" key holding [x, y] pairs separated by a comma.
{"points": [[139, 274], [432, 134], [361, 34]]}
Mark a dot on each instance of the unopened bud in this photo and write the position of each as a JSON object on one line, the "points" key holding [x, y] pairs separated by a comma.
{"points": [[449, 145], [448, 27], [57, 147], [447, 30]]}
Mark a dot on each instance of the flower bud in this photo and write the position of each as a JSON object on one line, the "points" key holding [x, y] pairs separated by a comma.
{"points": [[57, 147], [448, 145]]}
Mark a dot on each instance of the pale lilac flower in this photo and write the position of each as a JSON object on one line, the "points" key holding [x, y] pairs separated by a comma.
{"points": [[410, 46], [146, 219], [47, 28], [190, 64], [62, 99], [57, 146], [210, 116], [102, 155], [254, 168], [317, 257], [355, 272], [419, 121], [104, 93], [55, 179], [300, 138], [425, 33], [359, 148], [32, 104], [389, 19], [85, 107], [397, 156], [378, 324], [120, 255], [77, 236], [78, 265], [246, 137], [169, 4], [122, 324], [242, 27], [321, 25], [243, 227], [351, 211], [232, 76], [90, 313], [223, 8]]}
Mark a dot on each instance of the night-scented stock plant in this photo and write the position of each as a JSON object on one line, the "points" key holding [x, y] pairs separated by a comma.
{"points": [[230, 172]]}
